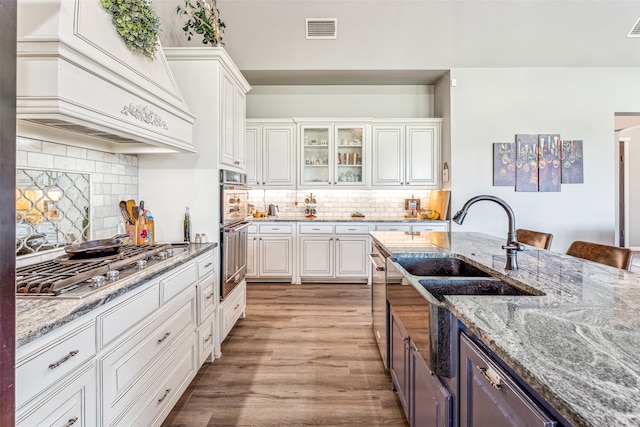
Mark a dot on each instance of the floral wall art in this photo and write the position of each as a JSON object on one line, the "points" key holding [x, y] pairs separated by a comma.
{"points": [[540, 162]]}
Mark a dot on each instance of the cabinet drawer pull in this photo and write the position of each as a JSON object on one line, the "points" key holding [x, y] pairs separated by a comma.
{"points": [[71, 422], [351, 229], [491, 376], [164, 337], [54, 365], [208, 338], [208, 265], [236, 307], [316, 229], [166, 393], [210, 296], [275, 228]]}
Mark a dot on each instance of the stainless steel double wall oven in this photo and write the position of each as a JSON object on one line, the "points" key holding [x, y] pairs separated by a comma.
{"points": [[234, 215]]}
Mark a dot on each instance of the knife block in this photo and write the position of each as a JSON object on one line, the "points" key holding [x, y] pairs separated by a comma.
{"points": [[140, 233]]}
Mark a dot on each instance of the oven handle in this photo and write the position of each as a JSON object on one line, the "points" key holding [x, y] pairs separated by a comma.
{"points": [[236, 228], [378, 266]]}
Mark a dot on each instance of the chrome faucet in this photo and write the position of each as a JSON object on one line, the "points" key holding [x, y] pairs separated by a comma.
{"points": [[512, 247]]}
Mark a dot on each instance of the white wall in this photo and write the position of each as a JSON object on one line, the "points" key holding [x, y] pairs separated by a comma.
{"points": [[492, 105], [410, 101]]}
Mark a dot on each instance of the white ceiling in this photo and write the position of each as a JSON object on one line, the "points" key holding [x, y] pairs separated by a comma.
{"points": [[415, 41]]}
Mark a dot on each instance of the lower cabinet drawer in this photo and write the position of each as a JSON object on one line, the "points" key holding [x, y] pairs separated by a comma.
{"points": [[206, 298], [429, 227], [178, 281], [206, 339], [119, 319], [393, 227], [73, 403], [54, 361], [276, 229], [232, 309], [316, 229], [155, 402], [128, 368], [205, 265], [352, 229]]}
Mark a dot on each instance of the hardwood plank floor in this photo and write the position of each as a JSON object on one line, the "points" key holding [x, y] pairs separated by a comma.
{"points": [[304, 355]]}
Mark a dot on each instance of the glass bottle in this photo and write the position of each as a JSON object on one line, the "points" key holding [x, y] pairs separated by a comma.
{"points": [[187, 226]]}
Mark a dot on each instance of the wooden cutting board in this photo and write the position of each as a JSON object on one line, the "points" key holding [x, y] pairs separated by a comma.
{"points": [[439, 202]]}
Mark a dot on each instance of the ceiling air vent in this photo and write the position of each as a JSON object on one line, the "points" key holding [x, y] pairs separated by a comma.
{"points": [[322, 28], [635, 31]]}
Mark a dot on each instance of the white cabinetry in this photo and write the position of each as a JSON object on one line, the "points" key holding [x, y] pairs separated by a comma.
{"points": [[270, 154], [333, 252], [213, 88], [413, 227], [406, 153], [270, 251], [233, 120], [73, 402], [232, 308], [332, 153], [133, 357]]}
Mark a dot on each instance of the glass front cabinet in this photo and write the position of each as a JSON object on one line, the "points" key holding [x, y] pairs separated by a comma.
{"points": [[332, 154]]}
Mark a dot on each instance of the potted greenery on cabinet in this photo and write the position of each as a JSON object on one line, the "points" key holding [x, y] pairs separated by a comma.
{"points": [[204, 19]]}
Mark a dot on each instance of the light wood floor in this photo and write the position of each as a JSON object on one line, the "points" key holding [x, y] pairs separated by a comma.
{"points": [[304, 355]]}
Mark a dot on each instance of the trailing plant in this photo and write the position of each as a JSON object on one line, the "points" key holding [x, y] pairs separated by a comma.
{"points": [[204, 19], [137, 23]]}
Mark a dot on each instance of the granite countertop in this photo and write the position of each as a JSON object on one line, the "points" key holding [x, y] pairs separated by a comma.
{"points": [[38, 316], [320, 218], [577, 346]]}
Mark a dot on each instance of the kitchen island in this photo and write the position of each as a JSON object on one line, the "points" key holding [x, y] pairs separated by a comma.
{"points": [[576, 346]]}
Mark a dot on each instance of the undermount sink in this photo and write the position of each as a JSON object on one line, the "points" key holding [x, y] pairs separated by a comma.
{"points": [[439, 287], [439, 267], [440, 277]]}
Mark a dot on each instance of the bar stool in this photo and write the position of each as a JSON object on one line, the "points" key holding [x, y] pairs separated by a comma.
{"points": [[534, 238], [604, 254]]}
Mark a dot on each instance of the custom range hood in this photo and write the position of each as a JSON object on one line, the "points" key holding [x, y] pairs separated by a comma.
{"points": [[78, 83]]}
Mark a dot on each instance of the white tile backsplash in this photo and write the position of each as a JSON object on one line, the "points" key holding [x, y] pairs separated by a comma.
{"points": [[340, 203], [114, 177]]}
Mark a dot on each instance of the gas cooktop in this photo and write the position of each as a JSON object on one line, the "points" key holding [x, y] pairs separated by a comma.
{"points": [[65, 278]]}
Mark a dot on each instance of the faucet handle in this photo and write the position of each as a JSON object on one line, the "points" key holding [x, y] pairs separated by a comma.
{"points": [[514, 246]]}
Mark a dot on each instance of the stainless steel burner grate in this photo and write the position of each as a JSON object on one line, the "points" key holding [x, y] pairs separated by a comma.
{"points": [[51, 278]]}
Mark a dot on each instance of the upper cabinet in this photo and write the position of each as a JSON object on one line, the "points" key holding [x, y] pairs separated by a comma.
{"points": [[234, 112], [78, 83], [332, 153], [406, 153], [270, 155], [216, 90]]}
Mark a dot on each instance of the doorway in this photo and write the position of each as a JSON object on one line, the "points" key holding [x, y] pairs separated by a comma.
{"points": [[628, 135]]}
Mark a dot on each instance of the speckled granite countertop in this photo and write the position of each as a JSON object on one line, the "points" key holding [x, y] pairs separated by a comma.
{"points": [[37, 316], [302, 218], [578, 346]]}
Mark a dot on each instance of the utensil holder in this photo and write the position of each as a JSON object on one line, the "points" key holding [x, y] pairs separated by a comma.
{"points": [[140, 233]]}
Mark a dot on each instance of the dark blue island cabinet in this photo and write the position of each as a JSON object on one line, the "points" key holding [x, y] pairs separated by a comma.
{"points": [[490, 397], [426, 400]]}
